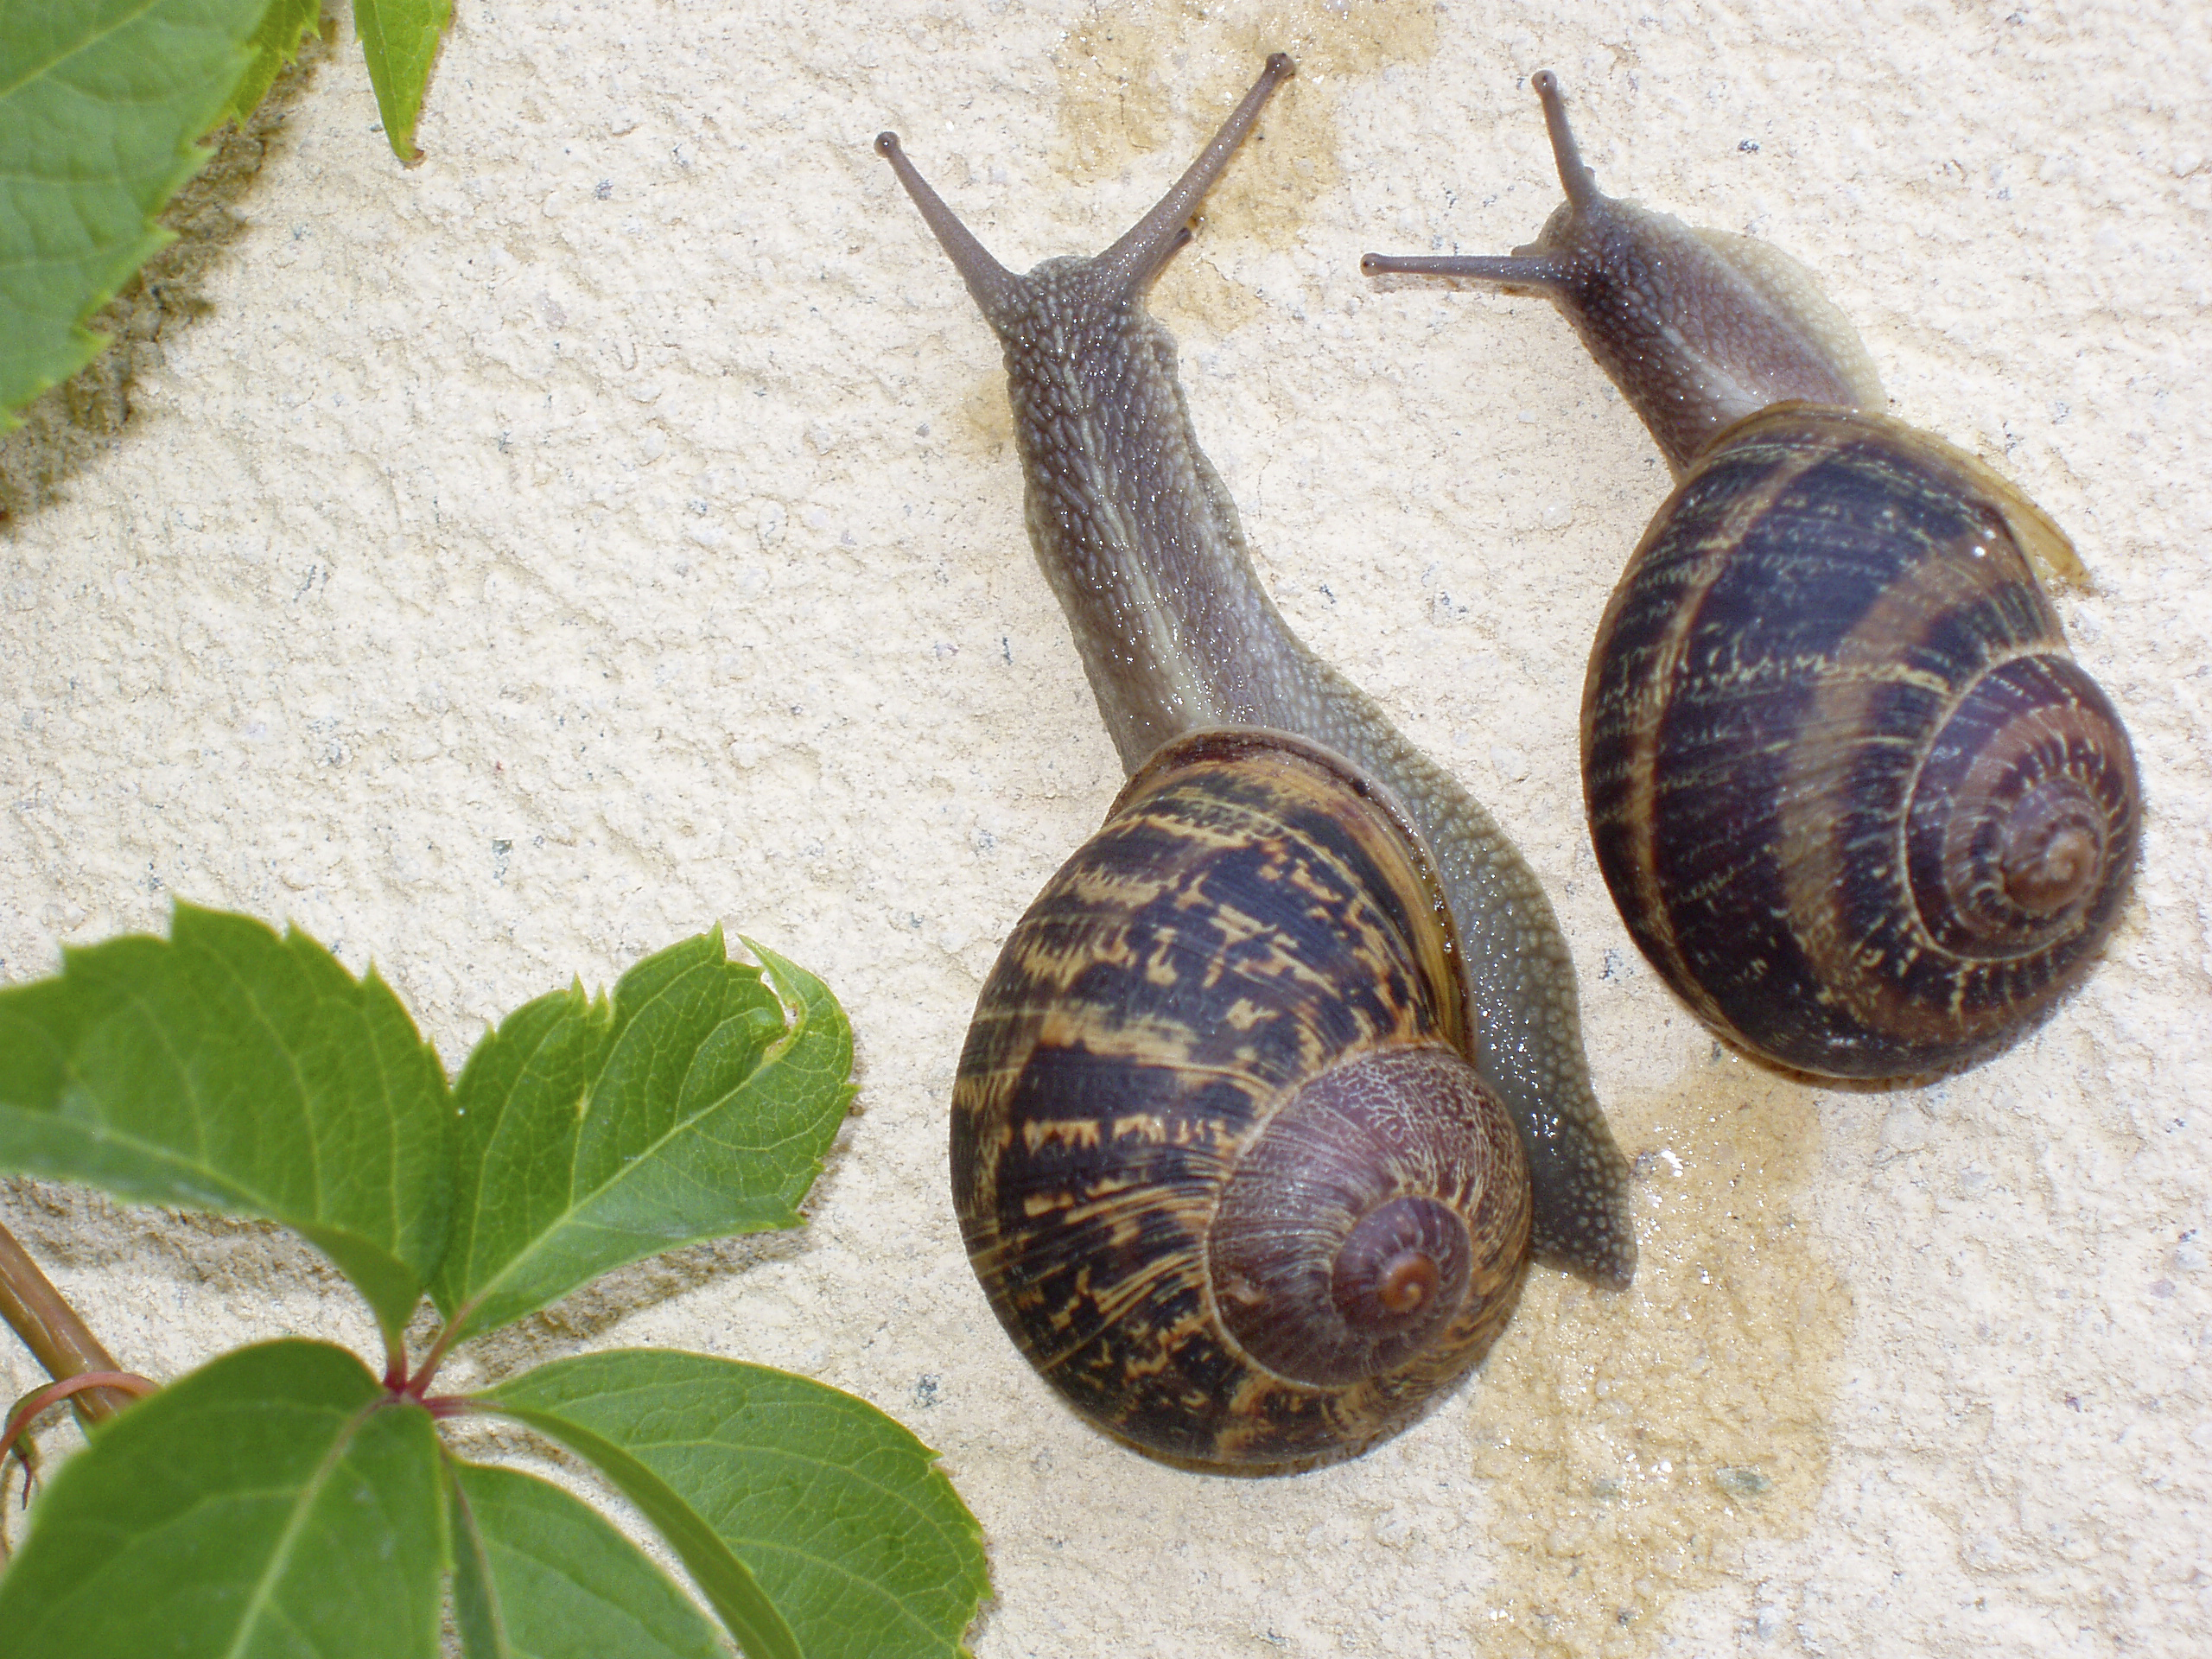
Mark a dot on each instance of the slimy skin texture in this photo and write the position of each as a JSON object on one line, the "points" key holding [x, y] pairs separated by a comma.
{"points": [[1854, 797], [1141, 545]]}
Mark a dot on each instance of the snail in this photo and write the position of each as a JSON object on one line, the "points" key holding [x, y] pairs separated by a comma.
{"points": [[1855, 799], [1276, 1086]]}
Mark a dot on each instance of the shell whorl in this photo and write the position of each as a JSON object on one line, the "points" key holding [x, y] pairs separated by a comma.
{"points": [[2021, 815], [1854, 799], [1219, 1160], [1369, 1205]]}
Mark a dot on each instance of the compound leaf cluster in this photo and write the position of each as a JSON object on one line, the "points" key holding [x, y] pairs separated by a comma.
{"points": [[285, 1499]]}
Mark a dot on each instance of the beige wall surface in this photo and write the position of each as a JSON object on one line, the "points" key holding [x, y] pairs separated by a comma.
{"points": [[611, 526]]}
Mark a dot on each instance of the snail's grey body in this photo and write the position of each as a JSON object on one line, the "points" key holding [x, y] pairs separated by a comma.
{"points": [[1142, 546], [1143, 549]]}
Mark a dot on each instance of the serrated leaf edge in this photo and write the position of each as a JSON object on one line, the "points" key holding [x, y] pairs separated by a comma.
{"points": [[788, 982], [89, 342], [398, 123], [272, 51]]}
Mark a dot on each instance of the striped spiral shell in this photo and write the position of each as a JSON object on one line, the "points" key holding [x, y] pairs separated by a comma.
{"points": [[1219, 1160], [1853, 795]]}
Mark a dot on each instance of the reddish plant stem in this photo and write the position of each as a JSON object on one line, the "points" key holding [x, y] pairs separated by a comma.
{"points": [[38, 1400], [419, 1384], [50, 1328]]}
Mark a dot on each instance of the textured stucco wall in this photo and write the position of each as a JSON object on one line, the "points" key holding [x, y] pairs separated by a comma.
{"points": [[509, 566]]}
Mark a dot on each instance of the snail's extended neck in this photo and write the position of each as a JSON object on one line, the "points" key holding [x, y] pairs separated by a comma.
{"points": [[1697, 328], [1134, 531]]}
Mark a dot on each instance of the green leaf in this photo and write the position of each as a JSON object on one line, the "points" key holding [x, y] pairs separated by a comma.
{"points": [[590, 1133], [227, 1069], [276, 1503], [850, 1529], [100, 103], [729, 1586], [539, 1575], [400, 39], [274, 44]]}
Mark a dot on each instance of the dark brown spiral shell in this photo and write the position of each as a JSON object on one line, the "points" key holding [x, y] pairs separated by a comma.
{"points": [[1856, 801], [1219, 1160]]}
